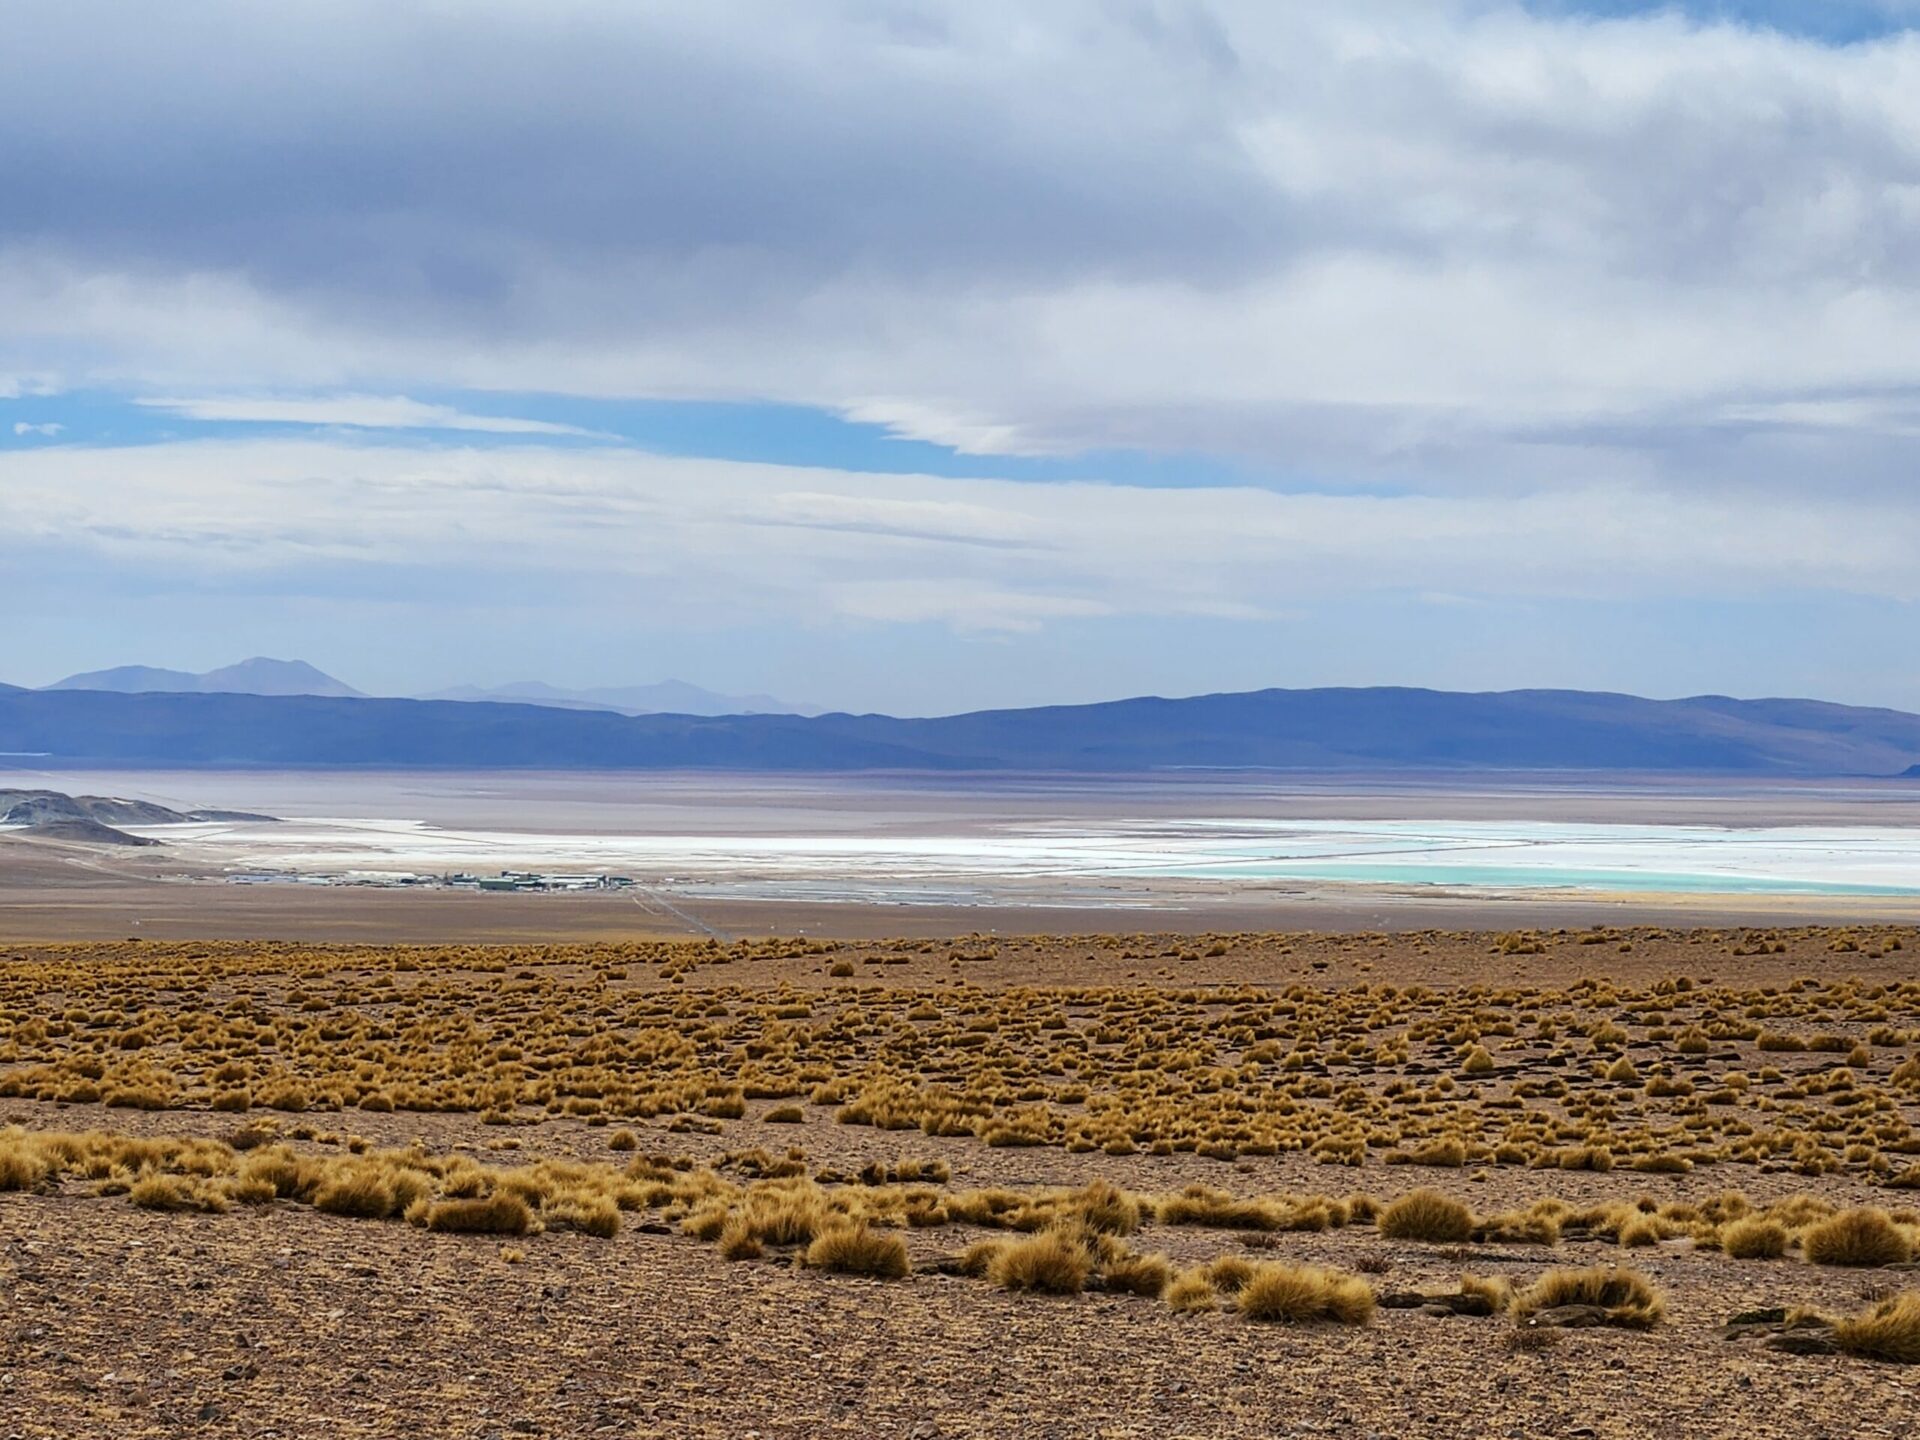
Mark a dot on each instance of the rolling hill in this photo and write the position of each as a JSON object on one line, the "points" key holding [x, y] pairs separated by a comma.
{"points": [[1334, 729], [668, 697]]}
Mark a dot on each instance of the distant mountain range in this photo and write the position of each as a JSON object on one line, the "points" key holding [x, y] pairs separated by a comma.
{"points": [[1344, 729], [669, 697], [258, 676], [262, 676]]}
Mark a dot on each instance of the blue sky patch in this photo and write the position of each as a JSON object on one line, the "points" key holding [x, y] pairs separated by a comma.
{"points": [[718, 430], [1837, 22]]}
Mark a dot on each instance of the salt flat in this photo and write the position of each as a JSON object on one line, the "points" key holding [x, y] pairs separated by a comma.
{"points": [[868, 836], [1476, 855]]}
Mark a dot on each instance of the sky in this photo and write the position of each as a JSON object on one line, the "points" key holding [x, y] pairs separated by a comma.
{"points": [[930, 355]]}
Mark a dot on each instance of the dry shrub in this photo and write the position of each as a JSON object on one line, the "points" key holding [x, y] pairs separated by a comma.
{"points": [[1130, 1274], [1889, 1330], [291, 1098], [276, 1165], [1630, 1299], [500, 1213], [1108, 1209], [857, 1249], [581, 1210], [1191, 1292], [712, 1220], [362, 1192], [789, 1216], [1519, 1227], [978, 1257], [738, 1242], [1051, 1263], [249, 1192], [1448, 1154], [1304, 1294], [1640, 1231], [154, 1190], [1362, 1209], [21, 1166], [1491, 1288], [1203, 1205], [1856, 1237], [1427, 1215], [1228, 1273], [1586, 1157], [1754, 1237]]}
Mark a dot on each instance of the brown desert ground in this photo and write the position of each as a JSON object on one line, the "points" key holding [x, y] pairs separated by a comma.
{"points": [[1218, 1184]]}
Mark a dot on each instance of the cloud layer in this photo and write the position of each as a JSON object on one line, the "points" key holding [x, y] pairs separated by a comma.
{"points": [[1419, 239], [713, 542], [1510, 311]]}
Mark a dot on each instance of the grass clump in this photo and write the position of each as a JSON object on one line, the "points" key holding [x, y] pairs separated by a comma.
{"points": [[157, 1191], [1863, 1237], [499, 1213], [1491, 1288], [363, 1194], [857, 1249], [978, 1257], [1050, 1263], [1228, 1273], [1191, 1293], [21, 1167], [1305, 1294], [580, 1210], [1889, 1330], [1631, 1300], [1754, 1237], [1639, 1231], [738, 1242], [1427, 1215], [1204, 1205], [1108, 1209], [1146, 1275]]}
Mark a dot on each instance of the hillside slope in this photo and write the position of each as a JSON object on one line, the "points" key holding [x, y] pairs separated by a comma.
{"points": [[1376, 729]]}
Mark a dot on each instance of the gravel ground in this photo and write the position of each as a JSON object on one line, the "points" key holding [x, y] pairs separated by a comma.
{"points": [[285, 1322]]}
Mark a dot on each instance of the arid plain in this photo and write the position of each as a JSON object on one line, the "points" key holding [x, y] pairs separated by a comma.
{"points": [[1573, 1165], [1126, 1185]]}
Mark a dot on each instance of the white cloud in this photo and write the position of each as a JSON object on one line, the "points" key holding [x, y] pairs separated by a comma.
{"points": [[48, 428], [1368, 239], [360, 412], [777, 545]]}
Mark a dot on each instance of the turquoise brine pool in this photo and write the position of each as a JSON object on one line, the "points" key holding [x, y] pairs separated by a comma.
{"points": [[1498, 877]]}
